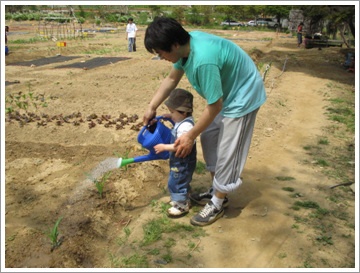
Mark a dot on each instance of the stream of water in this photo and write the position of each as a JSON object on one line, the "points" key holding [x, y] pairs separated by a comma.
{"points": [[96, 173]]}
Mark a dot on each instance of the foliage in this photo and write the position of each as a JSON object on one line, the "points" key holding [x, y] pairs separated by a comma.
{"points": [[194, 17], [142, 19], [24, 101], [178, 13], [336, 16], [278, 11]]}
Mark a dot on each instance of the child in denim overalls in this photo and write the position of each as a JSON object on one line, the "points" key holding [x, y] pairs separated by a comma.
{"points": [[180, 105]]}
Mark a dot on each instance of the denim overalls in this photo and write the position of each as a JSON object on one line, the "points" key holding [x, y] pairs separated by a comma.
{"points": [[181, 169]]}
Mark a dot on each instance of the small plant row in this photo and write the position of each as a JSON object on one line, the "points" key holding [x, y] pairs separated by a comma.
{"points": [[76, 119], [25, 101]]}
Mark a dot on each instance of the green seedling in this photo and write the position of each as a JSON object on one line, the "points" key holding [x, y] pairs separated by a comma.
{"points": [[24, 101], [53, 234], [99, 184]]}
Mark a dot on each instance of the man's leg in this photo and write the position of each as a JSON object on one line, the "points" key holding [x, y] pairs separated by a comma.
{"points": [[235, 138]]}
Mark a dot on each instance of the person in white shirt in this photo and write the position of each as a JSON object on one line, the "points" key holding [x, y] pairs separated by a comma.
{"points": [[131, 35]]}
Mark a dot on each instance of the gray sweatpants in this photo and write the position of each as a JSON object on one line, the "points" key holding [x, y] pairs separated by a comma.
{"points": [[225, 144]]}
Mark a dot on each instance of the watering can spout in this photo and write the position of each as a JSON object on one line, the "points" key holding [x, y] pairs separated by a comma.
{"points": [[125, 161], [122, 162]]}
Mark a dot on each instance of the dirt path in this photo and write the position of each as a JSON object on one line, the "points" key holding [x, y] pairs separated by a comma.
{"points": [[46, 165]]}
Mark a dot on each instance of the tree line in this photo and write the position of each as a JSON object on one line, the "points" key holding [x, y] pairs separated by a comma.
{"points": [[337, 17]]}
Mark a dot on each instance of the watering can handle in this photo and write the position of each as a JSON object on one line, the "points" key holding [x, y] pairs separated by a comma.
{"points": [[157, 119], [141, 137], [168, 119]]}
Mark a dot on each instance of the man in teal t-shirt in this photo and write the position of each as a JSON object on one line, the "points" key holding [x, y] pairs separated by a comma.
{"points": [[227, 78]]}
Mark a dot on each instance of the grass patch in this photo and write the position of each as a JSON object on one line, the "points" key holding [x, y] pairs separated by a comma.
{"points": [[307, 204], [285, 178], [343, 111], [338, 159], [160, 235], [325, 239], [99, 51], [28, 41], [323, 141], [322, 162], [135, 261], [200, 167], [155, 228]]}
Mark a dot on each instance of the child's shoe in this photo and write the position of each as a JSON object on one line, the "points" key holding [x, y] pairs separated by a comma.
{"points": [[178, 209]]}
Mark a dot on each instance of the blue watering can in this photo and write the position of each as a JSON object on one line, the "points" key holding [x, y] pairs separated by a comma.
{"points": [[149, 136]]}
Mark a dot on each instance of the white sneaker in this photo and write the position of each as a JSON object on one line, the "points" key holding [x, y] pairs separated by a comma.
{"points": [[178, 209]]}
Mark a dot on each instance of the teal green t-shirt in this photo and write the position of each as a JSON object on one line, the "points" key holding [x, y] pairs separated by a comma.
{"points": [[218, 68]]}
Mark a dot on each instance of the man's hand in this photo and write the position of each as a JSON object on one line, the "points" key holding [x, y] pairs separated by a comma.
{"points": [[149, 116], [183, 145]]}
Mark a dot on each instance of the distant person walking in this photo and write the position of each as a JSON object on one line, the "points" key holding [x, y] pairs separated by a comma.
{"points": [[6, 40], [299, 33], [6, 33], [131, 35]]}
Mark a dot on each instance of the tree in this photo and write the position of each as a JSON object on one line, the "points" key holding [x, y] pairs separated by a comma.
{"points": [[14, 8], [155, 11], [195, 18], [229, 11], [178, 13], [334, 17], [343, 16], [278, 11], [206, 13]]}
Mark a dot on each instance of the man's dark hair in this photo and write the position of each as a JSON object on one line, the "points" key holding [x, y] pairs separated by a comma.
{"points": [[164, 32]]}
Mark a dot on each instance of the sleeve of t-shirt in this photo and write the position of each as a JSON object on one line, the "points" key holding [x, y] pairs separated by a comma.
{"points": [[177, 65], [184, 128], [209, 79]]}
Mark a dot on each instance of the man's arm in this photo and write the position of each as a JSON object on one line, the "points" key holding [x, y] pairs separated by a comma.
{"points": [[167, 85], [184, 143]]}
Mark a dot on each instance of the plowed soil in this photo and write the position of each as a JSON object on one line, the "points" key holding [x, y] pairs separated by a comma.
{"points": [[80, 115]]}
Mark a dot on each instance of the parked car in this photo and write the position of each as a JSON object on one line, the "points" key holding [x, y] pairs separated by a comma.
{"points": [[269, 22], [262, 23], [251, 23], [232, 23], [273, 24]]}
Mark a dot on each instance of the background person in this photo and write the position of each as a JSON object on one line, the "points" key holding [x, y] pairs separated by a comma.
{"points": [[6, 40], [227, 78], [299, 33], [180, 105], [131, 30]]}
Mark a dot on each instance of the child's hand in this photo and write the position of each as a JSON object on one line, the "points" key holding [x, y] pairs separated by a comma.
{"points": [[159, 148], [167, 115]]}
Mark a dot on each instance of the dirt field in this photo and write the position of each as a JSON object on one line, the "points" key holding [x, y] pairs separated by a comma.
{"points": [[81, 114]]}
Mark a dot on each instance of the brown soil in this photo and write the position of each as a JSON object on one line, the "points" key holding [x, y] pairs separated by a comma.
{"points": [[46, 161]]}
